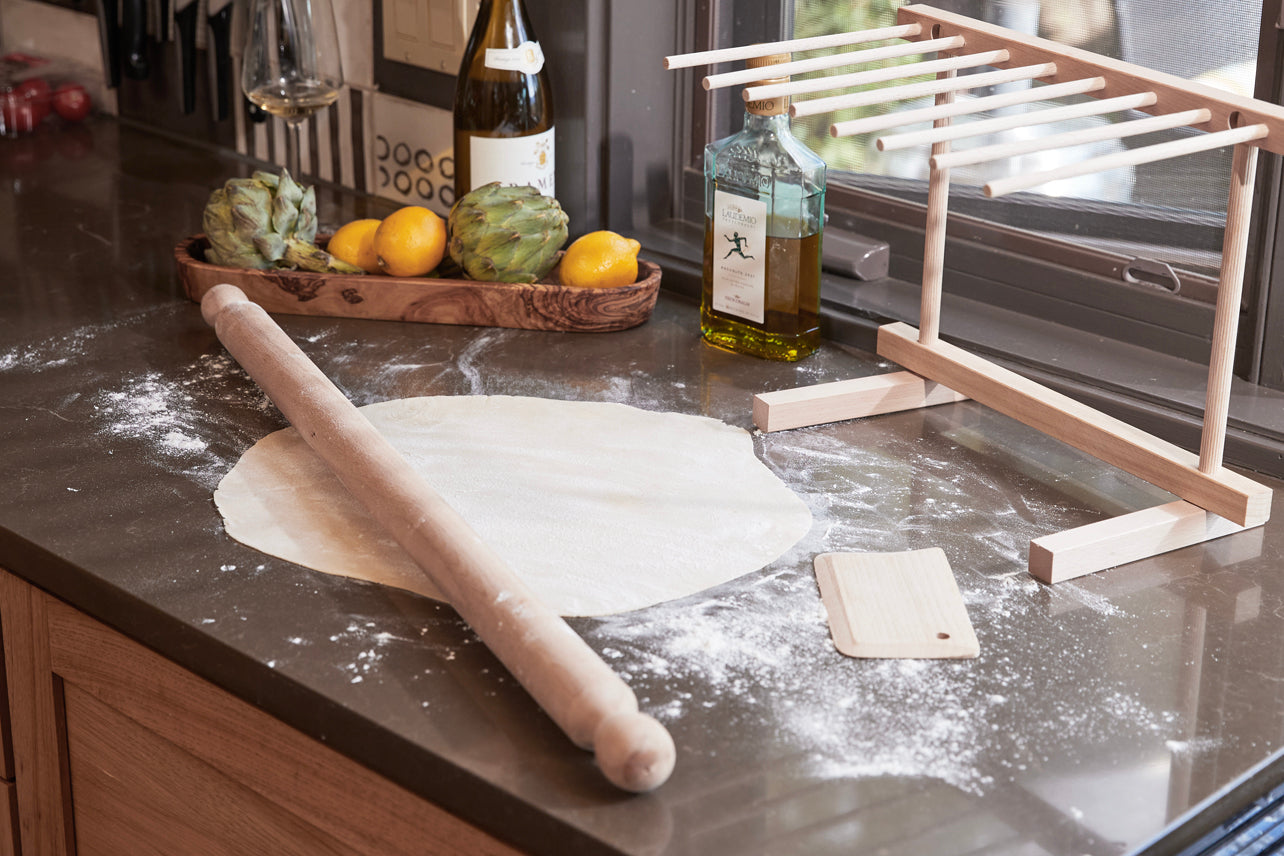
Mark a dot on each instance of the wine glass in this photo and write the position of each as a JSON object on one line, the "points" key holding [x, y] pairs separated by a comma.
{"points": [[291, 64]]}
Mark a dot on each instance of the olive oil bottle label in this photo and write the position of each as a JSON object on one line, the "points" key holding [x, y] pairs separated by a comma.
{"points": [[519, 161], [739, 256], [528, 58]]}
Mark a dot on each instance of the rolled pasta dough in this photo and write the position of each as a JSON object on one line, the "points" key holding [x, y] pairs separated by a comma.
{"points": [[599, 507]]}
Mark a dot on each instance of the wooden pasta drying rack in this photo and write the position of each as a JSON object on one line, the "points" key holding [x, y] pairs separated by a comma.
{"points": [[1213, 501]]}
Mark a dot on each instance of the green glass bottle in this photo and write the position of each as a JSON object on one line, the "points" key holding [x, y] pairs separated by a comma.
{"points": [[764, 213], [503, 104]]}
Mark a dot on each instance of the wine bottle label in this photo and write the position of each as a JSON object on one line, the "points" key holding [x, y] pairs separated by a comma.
{"points": [[519, 161], [739, 256], [528, 58]]}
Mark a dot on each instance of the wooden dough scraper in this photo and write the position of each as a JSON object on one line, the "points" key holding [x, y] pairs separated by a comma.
{"points": [[895, 605]]}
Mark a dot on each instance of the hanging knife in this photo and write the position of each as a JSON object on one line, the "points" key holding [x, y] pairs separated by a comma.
{"points": [[109, 34], [162, 21], [220, 23], [185, 19], [134, 25]]}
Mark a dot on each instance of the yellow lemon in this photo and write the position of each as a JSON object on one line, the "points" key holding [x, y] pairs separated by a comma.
{"points": [[410, 241], [354, 244], [600, 260]]}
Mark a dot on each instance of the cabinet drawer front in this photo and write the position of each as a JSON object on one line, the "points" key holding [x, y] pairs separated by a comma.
{"points": [[319, 788]]}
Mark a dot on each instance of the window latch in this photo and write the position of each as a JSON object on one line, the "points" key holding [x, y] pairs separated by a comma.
{"points": [[1154, 273], [855, 255]]}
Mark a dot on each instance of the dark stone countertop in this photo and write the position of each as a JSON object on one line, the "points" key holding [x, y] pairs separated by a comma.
{"points": [[1098, 710]]}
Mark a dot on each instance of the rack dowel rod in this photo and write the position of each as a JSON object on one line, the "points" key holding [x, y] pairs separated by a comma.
{"points": [[962, 108], [1230, 287], [1020, 120], [920, 90], [803, 66], [1131, 157], [836, 40], [874, 75], [1001, 151], [1174, 93]]}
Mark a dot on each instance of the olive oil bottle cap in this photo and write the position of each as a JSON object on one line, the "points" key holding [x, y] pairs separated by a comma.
{"points": [[769, 106]]}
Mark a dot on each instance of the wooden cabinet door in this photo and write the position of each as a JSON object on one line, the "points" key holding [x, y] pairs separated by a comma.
{"points": [[117, 750], [41, 783]]}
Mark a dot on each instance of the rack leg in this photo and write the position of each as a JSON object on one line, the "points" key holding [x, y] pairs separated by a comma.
{"points": [[938, 203], [1230, 288]]}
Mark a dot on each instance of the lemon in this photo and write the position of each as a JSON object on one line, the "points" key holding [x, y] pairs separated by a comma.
{"points": [[410, 241], [600, 260], [354, 244]]}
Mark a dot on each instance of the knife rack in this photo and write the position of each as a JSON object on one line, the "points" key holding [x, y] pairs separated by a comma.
{"points": [[1212, 500]]}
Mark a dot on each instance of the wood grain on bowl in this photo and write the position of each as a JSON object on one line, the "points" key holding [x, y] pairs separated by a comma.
{"points": [[545, 305]]}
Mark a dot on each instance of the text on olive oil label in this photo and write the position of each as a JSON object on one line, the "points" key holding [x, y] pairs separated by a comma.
{"points": [[739, 256]]}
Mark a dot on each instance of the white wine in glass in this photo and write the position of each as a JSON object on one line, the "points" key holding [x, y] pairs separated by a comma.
{"points": [[291, 65]]}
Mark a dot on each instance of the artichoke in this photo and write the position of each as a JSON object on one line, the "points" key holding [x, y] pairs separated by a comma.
{"points": [[506, 234], [266, 221]]}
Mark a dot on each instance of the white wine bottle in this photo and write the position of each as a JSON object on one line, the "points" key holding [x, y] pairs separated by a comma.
{"points": [[503, 104]]}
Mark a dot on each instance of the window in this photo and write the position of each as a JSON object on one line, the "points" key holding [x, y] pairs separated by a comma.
{"points": [[1102, 288], [1165, 213]]}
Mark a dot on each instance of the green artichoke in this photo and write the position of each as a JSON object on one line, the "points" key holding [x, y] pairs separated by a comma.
{"points": [[506, 234], [266, 221]]}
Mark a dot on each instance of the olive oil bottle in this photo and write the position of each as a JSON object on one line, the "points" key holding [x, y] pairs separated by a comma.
{"points": [[764, 212], [503, 104]]}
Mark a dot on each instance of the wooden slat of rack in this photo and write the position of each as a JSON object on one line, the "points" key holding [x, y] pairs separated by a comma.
{"points": [[1094, 134], [905, 118], [1128, 157], [1024, 119], [1163, 464], [802, 66], [1174, 93], [871, 76], [833, 40], [1118, 540], [830, 103], [840, 400]]}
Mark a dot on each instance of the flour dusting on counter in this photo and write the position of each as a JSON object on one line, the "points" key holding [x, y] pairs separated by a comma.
{"points": [[472, 354], [756, 655], [761, 658], [152, 409], [174, 414], [49, 354], [62, 350]]}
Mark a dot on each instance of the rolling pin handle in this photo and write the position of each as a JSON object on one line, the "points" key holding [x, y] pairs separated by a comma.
{"points": [[634, 751], [217, 299]]}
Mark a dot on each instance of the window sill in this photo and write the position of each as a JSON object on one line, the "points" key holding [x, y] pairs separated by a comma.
{"points": [[1158, 393]]}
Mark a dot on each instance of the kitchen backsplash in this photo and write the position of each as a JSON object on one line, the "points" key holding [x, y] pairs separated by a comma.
{"points": [[370, 140]]}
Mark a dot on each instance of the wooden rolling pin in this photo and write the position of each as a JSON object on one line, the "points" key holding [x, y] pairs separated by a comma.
{"points": [[588, 701]]}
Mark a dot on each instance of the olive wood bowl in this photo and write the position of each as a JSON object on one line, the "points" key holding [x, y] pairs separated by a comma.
{"points": [[544, 305]]}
